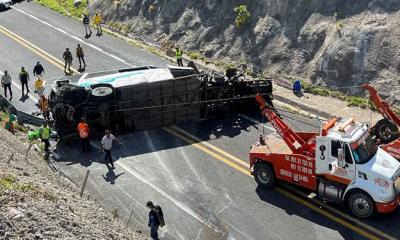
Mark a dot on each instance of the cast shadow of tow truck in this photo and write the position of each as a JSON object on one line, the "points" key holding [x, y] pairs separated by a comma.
{"points": [[284, 195]]}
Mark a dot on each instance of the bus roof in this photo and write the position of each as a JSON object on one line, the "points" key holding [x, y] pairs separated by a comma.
{"points": [[129, 78]]}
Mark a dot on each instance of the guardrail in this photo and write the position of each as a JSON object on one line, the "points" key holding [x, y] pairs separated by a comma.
{"points": [[22, 117]]}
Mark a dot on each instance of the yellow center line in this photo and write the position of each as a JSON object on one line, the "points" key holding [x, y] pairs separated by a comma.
{"points": [[194, 141], [203, 149], [35, 49], [237, 160]]}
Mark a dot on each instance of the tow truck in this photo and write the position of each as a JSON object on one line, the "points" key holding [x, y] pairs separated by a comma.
{"points": [[341, 163], [386, 129]]}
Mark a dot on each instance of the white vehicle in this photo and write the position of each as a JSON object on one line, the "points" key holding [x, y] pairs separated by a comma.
{"points": [[5, 4]]}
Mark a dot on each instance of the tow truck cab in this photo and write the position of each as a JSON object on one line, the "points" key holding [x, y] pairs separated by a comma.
{"points": [[343, 165]]}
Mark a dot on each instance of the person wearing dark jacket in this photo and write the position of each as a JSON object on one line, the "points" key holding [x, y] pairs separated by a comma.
{"points": [[67, 56], [24, 78], [86, 24], [38, 70], [156, 219]]}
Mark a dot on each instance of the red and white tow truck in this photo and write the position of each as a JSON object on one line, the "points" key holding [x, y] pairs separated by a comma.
{"points": [[341, 164]]}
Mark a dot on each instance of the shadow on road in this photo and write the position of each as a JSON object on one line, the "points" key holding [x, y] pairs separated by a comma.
{"points": [[111, 176], [276, 199], [382, 222]]}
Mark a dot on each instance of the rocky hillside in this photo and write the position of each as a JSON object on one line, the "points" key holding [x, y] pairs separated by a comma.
{"points": [[37, 204], [335, 43]]}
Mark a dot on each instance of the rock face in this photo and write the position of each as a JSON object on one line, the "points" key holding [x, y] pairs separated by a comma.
{"points": [[298, 38]]}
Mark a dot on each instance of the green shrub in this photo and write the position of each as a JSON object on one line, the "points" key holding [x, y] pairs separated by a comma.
{"points": [[64, 6], [242, 15], [194, 55]]}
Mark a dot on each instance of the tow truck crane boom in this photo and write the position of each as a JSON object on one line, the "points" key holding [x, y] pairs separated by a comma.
{"points": [[293, 140]]}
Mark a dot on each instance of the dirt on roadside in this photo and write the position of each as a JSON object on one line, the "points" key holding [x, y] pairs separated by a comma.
{"points": [[36, 203]]}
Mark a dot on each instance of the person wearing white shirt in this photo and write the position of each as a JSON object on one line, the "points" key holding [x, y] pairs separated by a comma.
{"points": [[106, 145], [6, 83]]}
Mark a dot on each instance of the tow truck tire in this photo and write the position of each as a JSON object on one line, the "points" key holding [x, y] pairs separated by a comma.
{"points": [[386, 130], [361, 204], [264, 175]]}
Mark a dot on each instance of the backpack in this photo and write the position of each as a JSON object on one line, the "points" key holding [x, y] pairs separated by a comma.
{"points": [[160, 215]]}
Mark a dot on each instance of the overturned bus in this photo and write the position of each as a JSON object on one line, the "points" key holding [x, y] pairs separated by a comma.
{"points": [[148, 97]]}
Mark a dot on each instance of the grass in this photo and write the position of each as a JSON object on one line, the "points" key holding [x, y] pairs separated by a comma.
{"points": [[9, 182], [352, 101], [65, 7], [17, 127]]}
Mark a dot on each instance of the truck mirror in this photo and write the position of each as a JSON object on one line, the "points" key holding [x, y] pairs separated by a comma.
{"points": [[340, 158]]}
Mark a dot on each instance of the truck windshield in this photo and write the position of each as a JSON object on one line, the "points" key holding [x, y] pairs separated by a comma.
{"points": [[364, 151]]}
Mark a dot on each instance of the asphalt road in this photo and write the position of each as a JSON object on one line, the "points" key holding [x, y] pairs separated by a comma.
{"points": [[195, 171]]}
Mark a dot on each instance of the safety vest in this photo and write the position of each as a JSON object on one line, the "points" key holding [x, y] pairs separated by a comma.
{"points": [[83, 130], [178, 54], [45, 132], [38, 83], [97, 19]]}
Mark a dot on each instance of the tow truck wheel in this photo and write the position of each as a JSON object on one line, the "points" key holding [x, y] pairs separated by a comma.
{"points": [[361, 205], [386, 131], [264, 175]]}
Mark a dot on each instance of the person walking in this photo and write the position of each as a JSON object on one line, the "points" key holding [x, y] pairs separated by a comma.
{"points": [[67, 56], [83, 130], [6, 83], [97, 22], [179, 56], [44, 132], [39, 89], [81, 56], [44, 107], [156, 219], [24, 78], [106, 145], [38, 70], [86, 24]]}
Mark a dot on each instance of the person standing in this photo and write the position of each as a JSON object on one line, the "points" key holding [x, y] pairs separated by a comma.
{"points": [[39, 86], [44, 131], [24, 78], [86, 24], [106, 145], [83, 130], [6, 83], [44, 107], [67, 56], [81, 56], [179, 56], [156, 219], [38, 70], [97, 22]]}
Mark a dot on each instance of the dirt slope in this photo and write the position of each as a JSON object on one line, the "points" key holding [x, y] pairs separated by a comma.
{"points": [[35, 203]]}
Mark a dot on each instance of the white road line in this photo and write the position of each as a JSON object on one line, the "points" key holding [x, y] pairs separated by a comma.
{"points": [[16, 85], [164, 194], [76, 38], [169, 197]]}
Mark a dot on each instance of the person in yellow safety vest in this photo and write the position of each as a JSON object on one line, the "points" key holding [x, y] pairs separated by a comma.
{"points": [[44, 132], [39, 89], [44, 107], [97, 22], [179, 54]]}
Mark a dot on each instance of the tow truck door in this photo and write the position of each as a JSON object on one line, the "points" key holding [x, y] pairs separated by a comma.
{"points": [[327, 161]]}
